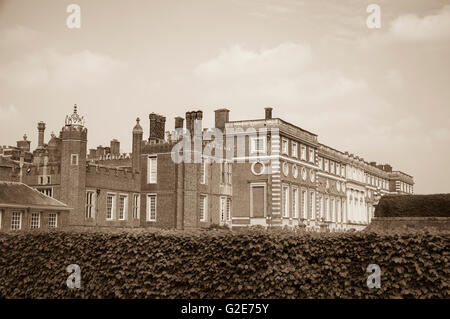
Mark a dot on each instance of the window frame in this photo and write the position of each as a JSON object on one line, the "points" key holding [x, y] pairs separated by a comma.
{"points": [[311, 155], [149, 208], [113, 205], [203, 206], [33, 224], [135, 206], [294, 149], [125, 206], [152, 169], [254, 145], [295, 205], [45, 191], [91, 205], [320, 160], [72, 156], [285, 201], [284, 142], [303, 150], [50, 219], [304, 198], [14, 225], [203, 168], [225, 209]]}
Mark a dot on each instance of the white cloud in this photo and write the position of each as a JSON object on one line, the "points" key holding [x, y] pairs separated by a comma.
{"points": [[39, 66], [20, 37], [288, 73], [394, 79], [412, 29], [84, 68], [287, 58], [8, 112]]}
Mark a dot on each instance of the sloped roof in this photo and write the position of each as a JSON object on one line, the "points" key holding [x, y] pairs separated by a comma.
{"points": [[15, 194]]}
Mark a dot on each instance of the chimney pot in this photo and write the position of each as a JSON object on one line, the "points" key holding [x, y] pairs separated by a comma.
{"points": [[222, 116], [268, 112], [179, 122]]}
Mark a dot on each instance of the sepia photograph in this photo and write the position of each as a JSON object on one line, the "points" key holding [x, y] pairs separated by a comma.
{"points": [[219, 158]]}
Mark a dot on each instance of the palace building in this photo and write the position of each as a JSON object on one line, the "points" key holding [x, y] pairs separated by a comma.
{"points": [[280, 175]]}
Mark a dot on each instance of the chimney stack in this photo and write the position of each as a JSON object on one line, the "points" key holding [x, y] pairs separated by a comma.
{"points": [[188, 122], [268, 111], [115, 147], [157, 128], [41, 130], [179, 121], [199, 118], [24, 145], [222, 116]]}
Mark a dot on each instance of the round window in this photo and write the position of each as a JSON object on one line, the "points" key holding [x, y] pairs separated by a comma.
{"points": [[285, 169], [304, 173], [295, 171], [257, 168], [312, 175]]}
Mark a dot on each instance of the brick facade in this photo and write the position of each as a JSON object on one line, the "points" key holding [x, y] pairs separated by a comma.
{"points": [[297, 182]]}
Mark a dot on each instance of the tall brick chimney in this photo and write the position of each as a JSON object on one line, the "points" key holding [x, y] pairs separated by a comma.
{"points": [[268, 111], [189, 122], [199, 119], [41, 130], [115, 147], [179, 122], [157, 128], [222, 116]]}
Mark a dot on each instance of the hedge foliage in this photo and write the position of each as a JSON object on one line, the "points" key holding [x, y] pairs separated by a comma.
{"points": [[436, 205], [224, 264]]}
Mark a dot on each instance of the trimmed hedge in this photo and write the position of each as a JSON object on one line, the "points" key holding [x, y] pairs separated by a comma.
{"points": [[436, 205], [224, 264]]}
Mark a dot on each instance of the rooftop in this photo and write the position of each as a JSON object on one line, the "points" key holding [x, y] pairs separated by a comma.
{"points": [[15, 194]]}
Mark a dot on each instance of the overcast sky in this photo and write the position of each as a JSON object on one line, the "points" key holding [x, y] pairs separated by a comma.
{"points": [[382, 94]]}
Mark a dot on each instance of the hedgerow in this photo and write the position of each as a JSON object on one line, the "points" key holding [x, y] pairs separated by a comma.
{"points": [[224, 264], [435, 205]]}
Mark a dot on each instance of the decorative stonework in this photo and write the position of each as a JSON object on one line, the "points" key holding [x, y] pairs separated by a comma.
{"points": [[75, 119]]}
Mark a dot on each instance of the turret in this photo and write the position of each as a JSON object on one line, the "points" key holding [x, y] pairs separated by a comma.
{"points": [[137, 146], [73, 165]]}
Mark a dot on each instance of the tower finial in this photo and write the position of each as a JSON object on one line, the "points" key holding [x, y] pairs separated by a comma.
{"points": [[75, 119], [25, 137], [137, 120]]}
